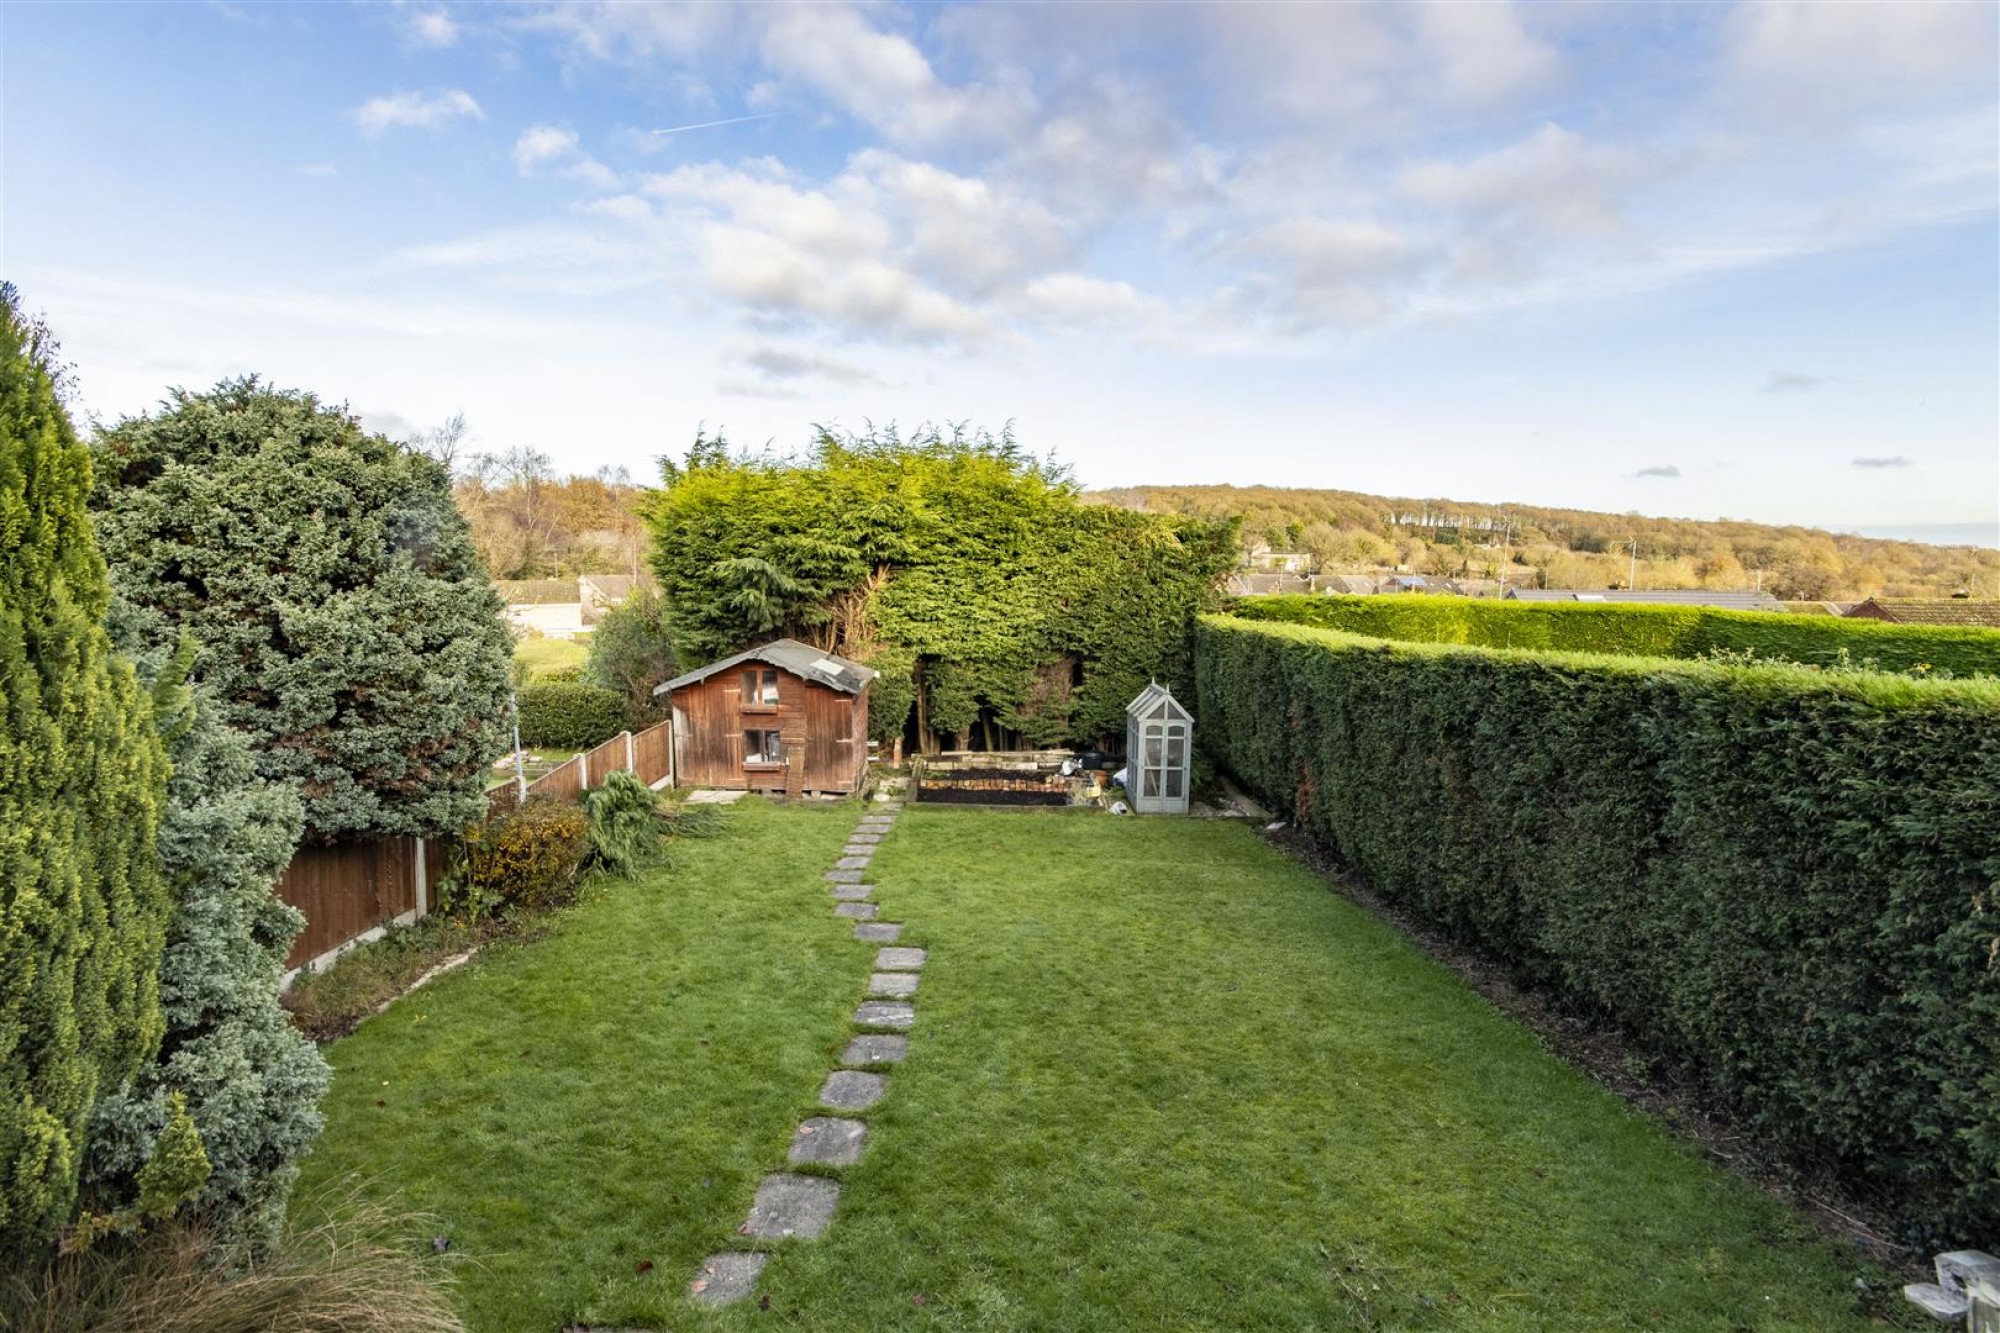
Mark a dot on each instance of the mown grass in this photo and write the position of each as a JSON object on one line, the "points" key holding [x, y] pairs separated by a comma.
{"points": [[1161, 1078], [538, 657], [608, 1096]]}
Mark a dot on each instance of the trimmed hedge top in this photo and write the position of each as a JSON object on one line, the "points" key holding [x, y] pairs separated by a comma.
{"points": [[1641, 631]]}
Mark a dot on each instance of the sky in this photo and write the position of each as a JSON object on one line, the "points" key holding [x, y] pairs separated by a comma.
{"points": [[1695, 259]]}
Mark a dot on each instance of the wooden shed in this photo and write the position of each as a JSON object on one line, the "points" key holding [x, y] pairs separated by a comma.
{"points": [[781, 717]]}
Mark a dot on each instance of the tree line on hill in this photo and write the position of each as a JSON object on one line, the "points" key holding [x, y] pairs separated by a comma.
{"points": [[1537, 546]]}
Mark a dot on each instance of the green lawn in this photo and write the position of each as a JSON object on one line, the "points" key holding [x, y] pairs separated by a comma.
{"points": [[1161, 1078], [539, 657]]}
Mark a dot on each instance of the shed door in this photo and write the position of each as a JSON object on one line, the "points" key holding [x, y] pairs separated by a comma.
{"points": [[1163, 762]]}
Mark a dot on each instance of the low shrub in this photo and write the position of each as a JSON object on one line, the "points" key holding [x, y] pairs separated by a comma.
{"points": [[351, 1267], [530, 858], [1642, 631], [1786, 879], [626, 829], [570, 715]]}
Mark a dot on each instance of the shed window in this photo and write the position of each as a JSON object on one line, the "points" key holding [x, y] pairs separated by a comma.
{"points": [[760, 688], [763, 747]]}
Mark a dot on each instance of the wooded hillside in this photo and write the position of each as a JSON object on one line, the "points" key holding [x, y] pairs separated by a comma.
{"points": [[1573, 548]]}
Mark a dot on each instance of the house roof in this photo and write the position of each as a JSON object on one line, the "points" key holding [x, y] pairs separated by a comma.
{"points": [[1724, 600], [537, 592], [615, 587], [1962, 611], [800, 659]]}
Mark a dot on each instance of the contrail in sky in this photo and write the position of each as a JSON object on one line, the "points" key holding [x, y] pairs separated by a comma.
{"points": [[712, 124]]}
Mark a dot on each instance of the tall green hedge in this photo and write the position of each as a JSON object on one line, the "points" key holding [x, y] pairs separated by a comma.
{"points": [[83, 775], [570, 715], [1789, 879], [1641, 631]]}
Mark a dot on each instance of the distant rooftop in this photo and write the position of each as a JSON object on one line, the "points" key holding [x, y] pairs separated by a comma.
{"points": [[1970, 613], [1723, 600]]}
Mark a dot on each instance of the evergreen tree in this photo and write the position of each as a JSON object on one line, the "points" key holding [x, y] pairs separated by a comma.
{"points": [[83, 904], [968, 572], [339, 612], [247, 1080]]}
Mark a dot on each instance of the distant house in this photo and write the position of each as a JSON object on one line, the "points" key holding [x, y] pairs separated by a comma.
{"points": [[781, 717], [1406, 583], [1283, 562], [564, 608], [1964, 612], [1353, 584], [1721, 600], [1246, 584]]}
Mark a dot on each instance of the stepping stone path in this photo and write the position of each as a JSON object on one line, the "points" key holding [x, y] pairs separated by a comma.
{"points": [[828, 1141], [790, 1205], [852, 1090]]}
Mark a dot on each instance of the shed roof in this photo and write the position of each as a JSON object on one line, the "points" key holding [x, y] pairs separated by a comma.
{"points": [[1156, 701], [1964, 611], [1725, 600], [800, 659]]}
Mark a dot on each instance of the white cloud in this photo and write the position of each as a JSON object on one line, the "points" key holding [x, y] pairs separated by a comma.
{"points": [[1553, 179], [316, 169], [418, 110], [431, 27], [555, 148], [1480, 54], [881, 78], [1814, 58]]}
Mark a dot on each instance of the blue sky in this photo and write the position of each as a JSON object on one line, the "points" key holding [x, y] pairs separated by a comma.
{"points": [[1699, 260]]}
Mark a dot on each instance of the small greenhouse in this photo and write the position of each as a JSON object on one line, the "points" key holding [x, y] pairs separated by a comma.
{"points": [[1159, 752]]}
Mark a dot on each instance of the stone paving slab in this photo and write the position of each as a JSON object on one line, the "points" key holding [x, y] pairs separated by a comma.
{"points": [[710, 796], [852, 893], [867, 837], [828, 1141], [858, 849], [843, 876], [792, 1205], [899, 960], [851, 863], [877, 821], [875, 1048], [727, 1277], [893, 985], [857, 911], [852, 1089], [885, 1014], [879, 932]]}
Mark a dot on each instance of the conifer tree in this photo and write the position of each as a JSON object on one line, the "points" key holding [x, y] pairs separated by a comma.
{"points": [[339, 613], [240, 1074], [83, 904]]}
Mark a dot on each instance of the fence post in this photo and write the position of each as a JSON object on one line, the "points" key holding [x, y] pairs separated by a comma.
{"points": [[582, 762], [631, 763], [423, 882]]}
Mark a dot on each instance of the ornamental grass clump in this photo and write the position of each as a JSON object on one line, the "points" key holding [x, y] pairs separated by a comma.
{"points": [[355, 1268]]}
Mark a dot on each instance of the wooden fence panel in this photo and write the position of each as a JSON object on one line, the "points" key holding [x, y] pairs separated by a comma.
{"points": [[347, 890], [606, 759], [652, 752], [564, 783]]}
